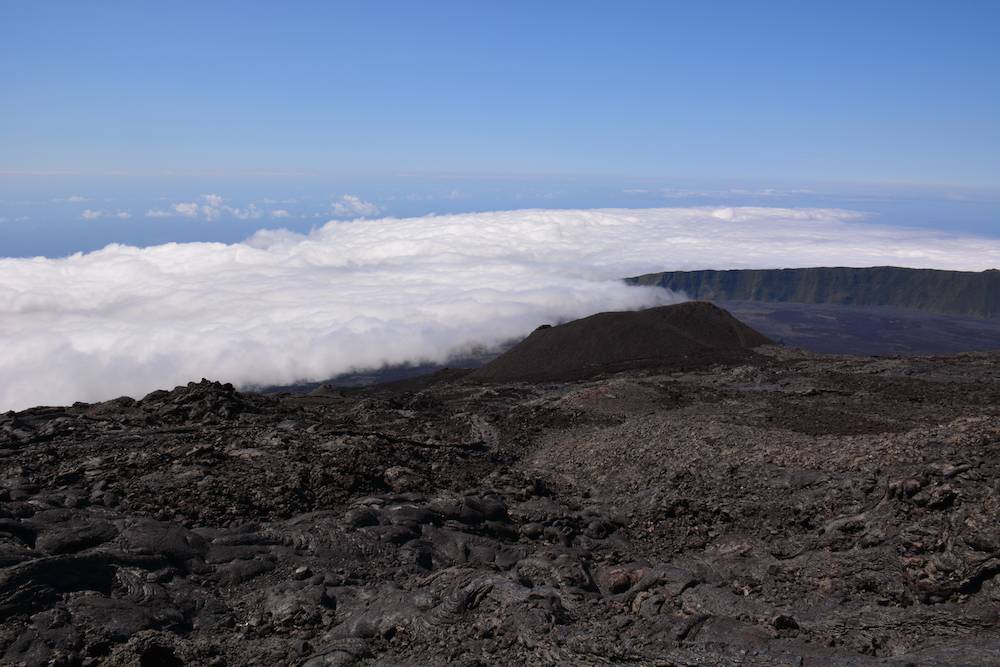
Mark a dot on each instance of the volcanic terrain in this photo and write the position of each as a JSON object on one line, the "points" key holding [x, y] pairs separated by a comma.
{"points": [[652, 488]]}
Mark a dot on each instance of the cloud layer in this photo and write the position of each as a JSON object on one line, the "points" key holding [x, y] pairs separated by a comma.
{"points": [[211, 207], [282, 307]]}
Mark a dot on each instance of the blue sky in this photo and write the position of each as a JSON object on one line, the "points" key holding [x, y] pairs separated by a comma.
{"points": [[446, 106]]}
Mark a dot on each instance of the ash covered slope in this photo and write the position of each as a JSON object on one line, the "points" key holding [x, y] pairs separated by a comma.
{"points": [[686, 335]]}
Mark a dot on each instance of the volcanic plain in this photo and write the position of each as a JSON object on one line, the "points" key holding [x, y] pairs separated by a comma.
{"points": [[682, 492]]}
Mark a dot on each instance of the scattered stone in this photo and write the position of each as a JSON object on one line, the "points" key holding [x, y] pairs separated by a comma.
{"points": [[401, 479]]}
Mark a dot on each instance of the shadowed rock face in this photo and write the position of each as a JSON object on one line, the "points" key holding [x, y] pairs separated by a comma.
{"points": [[790, 510], [687, 335]]}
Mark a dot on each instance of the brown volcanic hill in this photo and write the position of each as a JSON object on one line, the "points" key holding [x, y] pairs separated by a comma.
{"points": [[682, 336]]}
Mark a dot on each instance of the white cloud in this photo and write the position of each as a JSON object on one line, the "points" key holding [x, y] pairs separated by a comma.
{"points": [[251, 212], [72, 199], [280, 213], [352, 206], [212, 208], [186, 209], [91, 214], [282, 307], [214, 201]]}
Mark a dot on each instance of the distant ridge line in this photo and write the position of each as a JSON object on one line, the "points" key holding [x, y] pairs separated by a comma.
{"points": [[953, 292]]}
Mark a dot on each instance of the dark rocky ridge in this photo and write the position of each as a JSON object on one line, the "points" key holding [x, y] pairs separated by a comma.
{"points": [[682, 336], [956, 292], [791, 509]]}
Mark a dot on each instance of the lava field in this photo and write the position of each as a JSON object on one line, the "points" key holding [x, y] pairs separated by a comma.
{"points": [[764, 506]]}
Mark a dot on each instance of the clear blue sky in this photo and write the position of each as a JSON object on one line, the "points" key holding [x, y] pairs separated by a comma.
{"points": [[616, 93]]}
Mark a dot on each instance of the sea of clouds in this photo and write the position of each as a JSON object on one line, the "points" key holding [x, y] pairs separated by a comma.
{"points": [[283, 307]]}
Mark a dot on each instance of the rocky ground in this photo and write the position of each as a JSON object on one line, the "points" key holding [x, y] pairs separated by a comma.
{"points": [[791, 509]]}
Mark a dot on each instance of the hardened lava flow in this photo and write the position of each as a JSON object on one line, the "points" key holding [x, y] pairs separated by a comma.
{"points": [[653, 488]]}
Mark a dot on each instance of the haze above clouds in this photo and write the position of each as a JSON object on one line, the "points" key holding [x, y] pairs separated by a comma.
{"points": [[282, 307]]}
